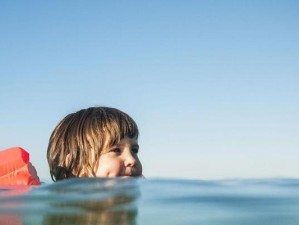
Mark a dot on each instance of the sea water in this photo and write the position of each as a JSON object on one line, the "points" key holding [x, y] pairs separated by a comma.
{"points": [[89, 201]]}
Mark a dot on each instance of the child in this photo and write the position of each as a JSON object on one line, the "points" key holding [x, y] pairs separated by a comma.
{"points": [[94, 142]]}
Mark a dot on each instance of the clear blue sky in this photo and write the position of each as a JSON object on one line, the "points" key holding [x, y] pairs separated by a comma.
{"points": [[213, 85]]}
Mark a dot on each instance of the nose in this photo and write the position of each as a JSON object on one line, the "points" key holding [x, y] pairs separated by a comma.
{"points": [[129, 160]]}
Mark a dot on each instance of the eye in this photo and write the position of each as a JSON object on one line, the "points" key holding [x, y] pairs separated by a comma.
{"points": [[116, 150], [135, 150]]}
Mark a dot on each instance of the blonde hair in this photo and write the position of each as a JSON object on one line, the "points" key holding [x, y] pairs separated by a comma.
{"points": [[77, 141]]}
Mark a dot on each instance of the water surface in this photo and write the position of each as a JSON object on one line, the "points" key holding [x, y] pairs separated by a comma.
{"points": [[139, 201]]}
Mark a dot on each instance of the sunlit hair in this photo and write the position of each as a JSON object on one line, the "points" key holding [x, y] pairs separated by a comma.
{"points": [[77, 141]]}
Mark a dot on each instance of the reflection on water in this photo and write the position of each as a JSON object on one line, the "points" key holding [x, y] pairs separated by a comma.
{"points": [[138, 201], [99, 202]]}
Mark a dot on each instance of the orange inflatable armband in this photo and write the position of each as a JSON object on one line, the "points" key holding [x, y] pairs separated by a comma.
{"points": [[16, 169], [12, 159]]}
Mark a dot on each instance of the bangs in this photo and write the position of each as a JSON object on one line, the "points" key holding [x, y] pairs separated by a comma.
{"points": [[116, 125], [101, 126]]}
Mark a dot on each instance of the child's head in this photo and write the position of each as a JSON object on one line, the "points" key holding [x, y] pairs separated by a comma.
{"points": [[97, 141]]}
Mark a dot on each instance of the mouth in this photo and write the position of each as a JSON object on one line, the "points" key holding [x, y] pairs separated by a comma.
{"points": [[131, 172]]}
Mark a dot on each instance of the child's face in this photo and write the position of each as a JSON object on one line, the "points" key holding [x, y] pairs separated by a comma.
{"points": [[120, 160]]}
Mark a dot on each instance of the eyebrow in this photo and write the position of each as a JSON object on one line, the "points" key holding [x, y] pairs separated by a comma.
{"points": [[133, 145]]}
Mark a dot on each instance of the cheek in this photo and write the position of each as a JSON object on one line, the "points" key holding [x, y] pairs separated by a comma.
{"points": [[109, 167]]}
